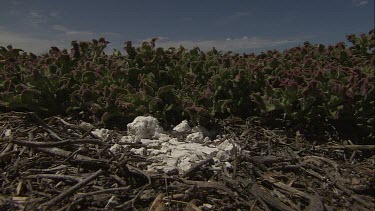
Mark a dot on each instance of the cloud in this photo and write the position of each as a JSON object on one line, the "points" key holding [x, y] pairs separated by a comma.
{"points": [[229, 44], [80, 34], [27, 42], [15, 3], [66, 31], [54, 14], [61, 38], [35, 18], [232, 18], [359, 3]]}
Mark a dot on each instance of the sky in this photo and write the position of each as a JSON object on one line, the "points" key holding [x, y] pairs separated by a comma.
{"points": [[237, 25]]}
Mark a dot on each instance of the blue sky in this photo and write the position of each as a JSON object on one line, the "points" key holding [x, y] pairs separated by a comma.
{"points": [[239, 26]]}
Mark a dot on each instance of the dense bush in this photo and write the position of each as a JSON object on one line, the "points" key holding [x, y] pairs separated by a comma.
{"points": [[309, 83]]}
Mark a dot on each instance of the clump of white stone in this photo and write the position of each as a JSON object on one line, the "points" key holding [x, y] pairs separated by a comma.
{"points": [[144, 127], [102, 133], [172, 154], [182, 127]]}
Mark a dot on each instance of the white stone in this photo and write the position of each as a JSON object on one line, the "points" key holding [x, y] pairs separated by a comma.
{"points": [[102, 133], [183, 127], [86, 125], [226, 145], [228, 165], [171, 154], [173, 141], [156, 152], [206, 140], [207, 206], [196, 137], [116, 149], [226, 150], [185, 163], [8, 133], [150, 142], [127, 139], [140, 151], [221, 155], [144, 127], [164, 137]]}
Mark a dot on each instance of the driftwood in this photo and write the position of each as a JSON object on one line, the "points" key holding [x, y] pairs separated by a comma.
{"points": [[57, 164]]}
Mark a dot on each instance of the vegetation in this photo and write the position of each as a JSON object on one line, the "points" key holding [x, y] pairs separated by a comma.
{"points": [[307, 85]]}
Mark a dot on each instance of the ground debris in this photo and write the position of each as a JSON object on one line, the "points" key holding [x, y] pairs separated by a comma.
{"points": [[57, 164]]}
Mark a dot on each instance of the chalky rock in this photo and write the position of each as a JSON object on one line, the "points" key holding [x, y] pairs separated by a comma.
{"points": [[195, 137], [173, 155], [128, 139], [144, 127], [179, 155], [102, 133], [226, 150], [183, 127], [86, 125], [8, 133], [116, 149]]}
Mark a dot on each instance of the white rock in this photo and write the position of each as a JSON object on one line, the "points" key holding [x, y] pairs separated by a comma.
{"points": [[8, 133], [206, 140], [86, 125], [226, 150], [156, 152], [180, 156], [207, 206], [102, 133], [196, 137], [128, 139], [140, 151], [228, 165], [151, 142], [183, 127], [226, 145], [169, 154], [144, 127], [222, 156], [164, 137], [185, 163], [174, 141], [116, 149]]}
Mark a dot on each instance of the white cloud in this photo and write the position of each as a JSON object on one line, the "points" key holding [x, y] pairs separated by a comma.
{"points": [[232, 18], [27, 42], [80, 34], [61, 38], [15, 3], [229, 44], [60, 28], [54, 14], [35, 18], [359, 3], [66, 31]]}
